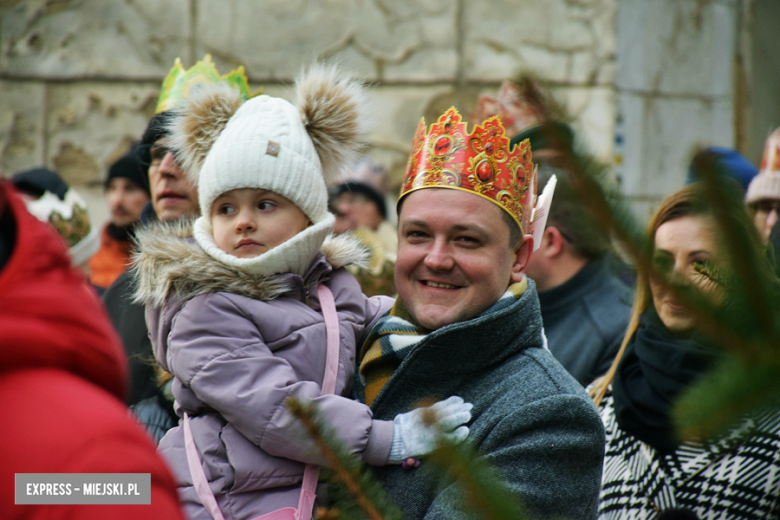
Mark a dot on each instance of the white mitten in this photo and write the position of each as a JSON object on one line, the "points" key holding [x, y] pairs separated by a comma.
{"points": [[413, 436]]}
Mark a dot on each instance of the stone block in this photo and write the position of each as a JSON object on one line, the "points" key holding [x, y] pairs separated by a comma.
{"points": [[593, 113], [398, 110], [643, 208], [505, 37], [139, 38], [677, 46], [662, 134], [21, 126], [381, 38], [90, 125]]}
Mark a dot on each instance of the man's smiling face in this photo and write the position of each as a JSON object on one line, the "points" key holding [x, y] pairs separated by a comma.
{"points": [[454, 256]]}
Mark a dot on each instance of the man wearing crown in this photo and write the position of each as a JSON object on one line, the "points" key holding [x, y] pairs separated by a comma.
{"points": [[467, 323]]}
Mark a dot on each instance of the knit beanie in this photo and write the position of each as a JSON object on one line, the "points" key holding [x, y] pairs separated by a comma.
{"points": [[267, 143], [129, 167], [37, 181], [766, 185], [727, 162], [65, 210]]}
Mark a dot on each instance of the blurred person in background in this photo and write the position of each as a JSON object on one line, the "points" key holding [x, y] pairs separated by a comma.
{"points": [[763, 194], [585, 307], [173, 198], [774, 243], [726, 162], [62, 378], [127, 192], [527, 110], [358, 203], [648, 471], [51, 200]]}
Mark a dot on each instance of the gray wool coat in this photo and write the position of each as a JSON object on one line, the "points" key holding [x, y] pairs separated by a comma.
{"points": [[239, 346], [532, 422]]}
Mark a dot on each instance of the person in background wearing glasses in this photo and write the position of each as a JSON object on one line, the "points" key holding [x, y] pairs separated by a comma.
{"points": [[172, 198], [763, 193]]}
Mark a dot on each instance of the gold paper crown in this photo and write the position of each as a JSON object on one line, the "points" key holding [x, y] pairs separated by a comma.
{"points": [[480, 162], [179, 83]]}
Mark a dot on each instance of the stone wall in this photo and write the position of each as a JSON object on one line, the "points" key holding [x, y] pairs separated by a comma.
{"points": [[79, 78], [675, 85]]}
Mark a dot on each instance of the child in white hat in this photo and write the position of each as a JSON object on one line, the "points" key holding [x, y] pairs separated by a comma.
{"points": [[237, 304]]}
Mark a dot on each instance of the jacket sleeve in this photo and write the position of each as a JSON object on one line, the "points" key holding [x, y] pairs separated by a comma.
{"points": [[375, 308], [219, 354], [549, 454]]}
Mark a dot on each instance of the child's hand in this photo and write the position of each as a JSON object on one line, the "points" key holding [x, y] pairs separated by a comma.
{"points": [[416, 433]]}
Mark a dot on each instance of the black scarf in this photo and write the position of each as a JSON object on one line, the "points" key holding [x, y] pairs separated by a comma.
{"points": [[655, 369], [123, 233]]}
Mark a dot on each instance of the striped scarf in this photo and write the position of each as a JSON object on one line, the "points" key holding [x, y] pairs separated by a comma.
{"points": [[394, 336]]}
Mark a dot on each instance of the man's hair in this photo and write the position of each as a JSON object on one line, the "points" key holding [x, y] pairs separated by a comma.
{"points": [[514, 230], [571, 215]]}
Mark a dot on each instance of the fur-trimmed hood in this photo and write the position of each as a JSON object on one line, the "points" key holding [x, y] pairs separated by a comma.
{"points": [[169, 262]]}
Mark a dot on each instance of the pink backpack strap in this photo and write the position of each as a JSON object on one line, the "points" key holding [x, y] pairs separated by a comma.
{"points": [[328, 306], [198, 476], [312, 472]]}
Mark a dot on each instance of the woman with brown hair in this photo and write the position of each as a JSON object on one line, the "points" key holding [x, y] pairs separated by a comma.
{"points": [[648, 472]]}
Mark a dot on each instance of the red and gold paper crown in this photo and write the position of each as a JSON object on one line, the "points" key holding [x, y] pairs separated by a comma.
{"points": [[479, 162]]}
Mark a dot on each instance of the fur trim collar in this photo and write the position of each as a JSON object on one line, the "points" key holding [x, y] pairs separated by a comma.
{"points": [[168, 262]]}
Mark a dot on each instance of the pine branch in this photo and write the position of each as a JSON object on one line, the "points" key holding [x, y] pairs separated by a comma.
{"points": [[746, 263], [486, 493], [729, 391], [346, 470]]}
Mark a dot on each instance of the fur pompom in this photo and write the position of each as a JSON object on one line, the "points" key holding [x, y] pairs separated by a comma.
{"points": [[333, 110], [194, 129]]}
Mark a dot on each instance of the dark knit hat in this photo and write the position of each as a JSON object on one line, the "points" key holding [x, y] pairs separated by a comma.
{"points": [[36, 181], [727, 162], [365, 177], [157, 128], [130, 167], [356, 187]]}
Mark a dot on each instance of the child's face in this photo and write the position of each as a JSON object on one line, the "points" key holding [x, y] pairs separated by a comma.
{"points": [[248, 222]]}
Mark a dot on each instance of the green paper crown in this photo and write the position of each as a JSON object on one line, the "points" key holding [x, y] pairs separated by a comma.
{"points": [[179, 83]]}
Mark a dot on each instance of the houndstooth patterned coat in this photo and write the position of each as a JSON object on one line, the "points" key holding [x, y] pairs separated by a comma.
{"points": [[736, 477]]}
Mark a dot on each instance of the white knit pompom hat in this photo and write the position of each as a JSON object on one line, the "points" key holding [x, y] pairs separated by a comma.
{"points": [[268, 143]]}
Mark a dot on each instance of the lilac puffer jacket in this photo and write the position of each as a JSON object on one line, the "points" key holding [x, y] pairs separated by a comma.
{"points": [[239, 346]]}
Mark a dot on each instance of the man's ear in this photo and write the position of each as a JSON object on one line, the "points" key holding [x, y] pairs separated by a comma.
{"points": [[552, 242], [522, 254]]}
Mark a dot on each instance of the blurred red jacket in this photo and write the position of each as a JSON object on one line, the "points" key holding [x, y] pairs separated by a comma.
{"points": [[63, 377]]}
